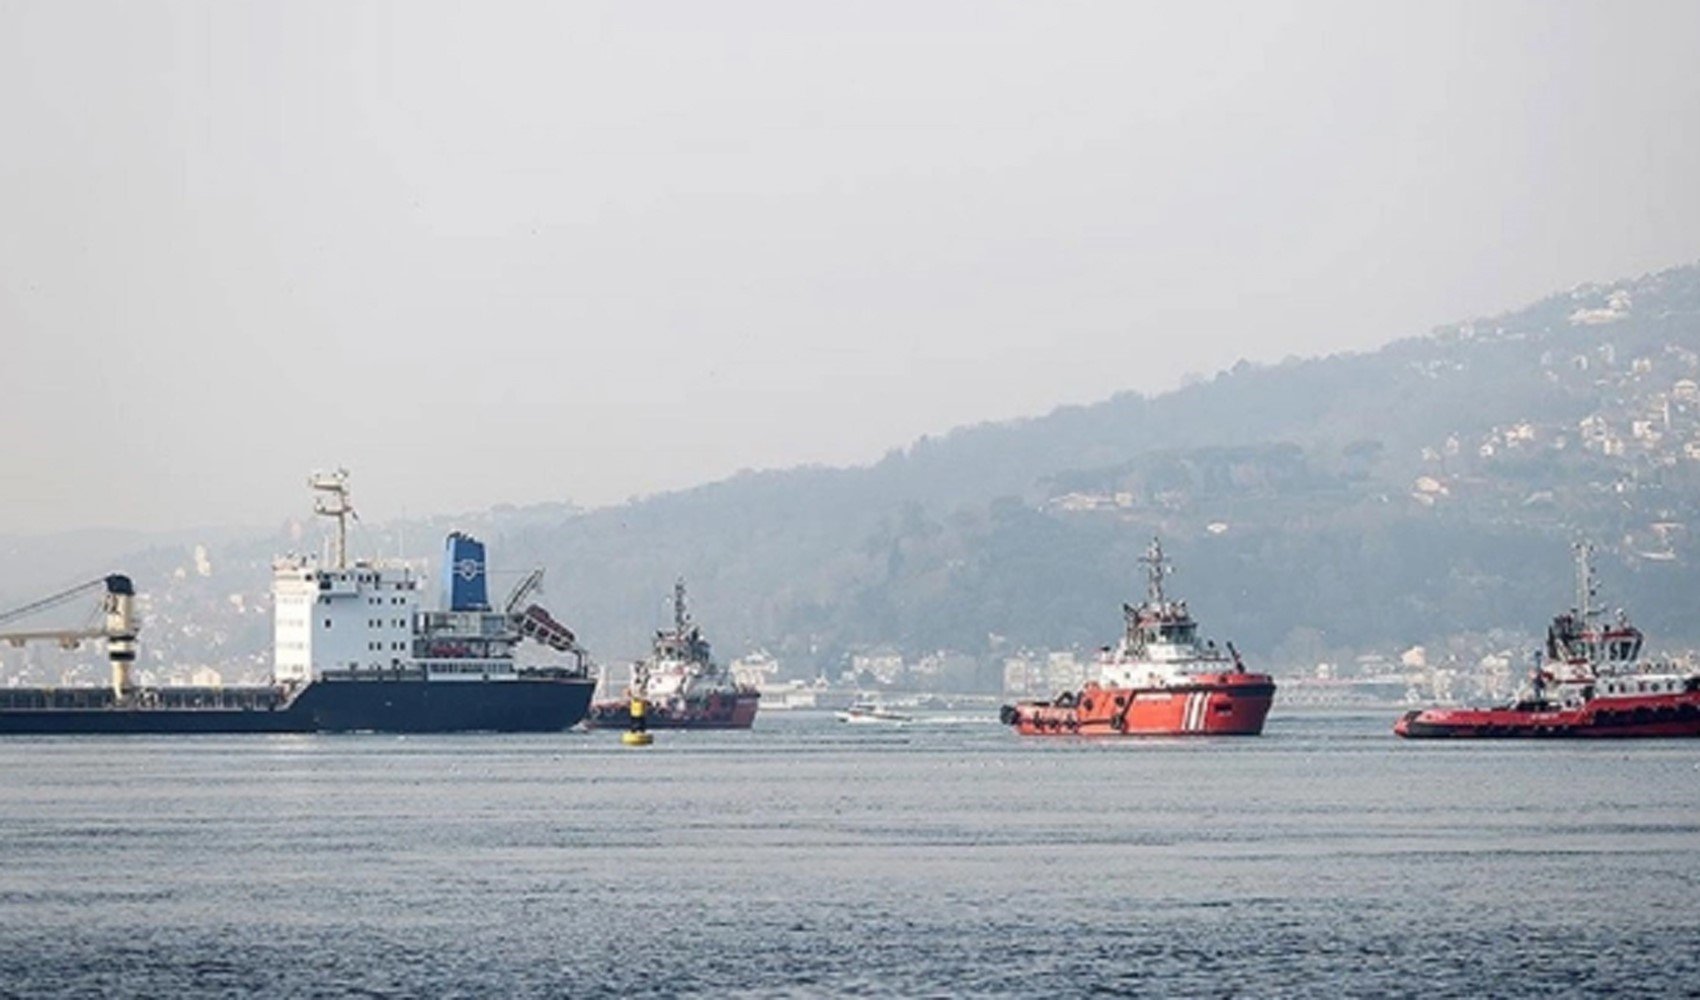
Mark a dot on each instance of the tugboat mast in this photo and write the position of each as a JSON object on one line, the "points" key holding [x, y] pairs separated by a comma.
{"points": [[1157, 568], [336, 504], [681, 617], [1587, 587]]}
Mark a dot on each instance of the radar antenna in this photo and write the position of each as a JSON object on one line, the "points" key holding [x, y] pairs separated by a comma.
{"points": [[335, 504]]}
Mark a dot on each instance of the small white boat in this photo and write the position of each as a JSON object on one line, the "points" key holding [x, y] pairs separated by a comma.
{"points": [[867, 711]]}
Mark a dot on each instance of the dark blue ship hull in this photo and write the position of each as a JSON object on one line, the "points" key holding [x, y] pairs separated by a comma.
{"points": [[403, 702], [526, 705]]}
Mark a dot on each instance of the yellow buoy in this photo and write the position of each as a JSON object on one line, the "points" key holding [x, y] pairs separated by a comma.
{"points": [[637, 735]]}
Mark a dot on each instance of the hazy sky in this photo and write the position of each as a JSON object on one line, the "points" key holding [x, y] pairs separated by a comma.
{"points": [[511, 252]]}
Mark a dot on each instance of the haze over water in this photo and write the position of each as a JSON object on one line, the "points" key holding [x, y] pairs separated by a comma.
{"points": [[947, 857], [610, 249]]}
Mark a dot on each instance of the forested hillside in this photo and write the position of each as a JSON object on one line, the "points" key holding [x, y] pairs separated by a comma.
{"points": [[1313, 508]]}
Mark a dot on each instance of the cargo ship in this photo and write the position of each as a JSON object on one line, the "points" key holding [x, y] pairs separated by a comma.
{"points": [[352, 652], [1158, 680], [681, 685], [1589, 683]]}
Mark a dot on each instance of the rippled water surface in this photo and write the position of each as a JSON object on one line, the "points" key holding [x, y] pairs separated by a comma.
{"points": [[947, 857]]}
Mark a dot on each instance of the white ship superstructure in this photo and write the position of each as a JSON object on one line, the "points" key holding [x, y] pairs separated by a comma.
{"points": [[347, 619], [358, 617], [1160, 646]]}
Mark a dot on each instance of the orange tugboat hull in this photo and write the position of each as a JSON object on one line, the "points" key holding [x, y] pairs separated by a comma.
{"points": [[1606, 718], [1228, 704]]}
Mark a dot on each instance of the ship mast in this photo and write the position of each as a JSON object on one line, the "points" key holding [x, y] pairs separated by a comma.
{"points": [[335, 504], [1157, 567], [681, 617], [1587, 587]]}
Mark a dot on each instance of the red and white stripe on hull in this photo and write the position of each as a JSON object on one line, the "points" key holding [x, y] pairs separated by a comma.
{"points": [[1228, 704], [1197, 707]]}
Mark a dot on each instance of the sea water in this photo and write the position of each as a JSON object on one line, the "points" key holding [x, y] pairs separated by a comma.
{"points": [[945, 857]]}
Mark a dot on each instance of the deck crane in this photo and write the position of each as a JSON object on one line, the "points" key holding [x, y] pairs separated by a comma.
{"points": [[535, 622], [113, 620], [532, 583]]}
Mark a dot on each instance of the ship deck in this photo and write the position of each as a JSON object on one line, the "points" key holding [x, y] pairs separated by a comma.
{"points": [[170, 699]]}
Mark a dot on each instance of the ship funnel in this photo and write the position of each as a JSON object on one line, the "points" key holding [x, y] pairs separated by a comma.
{"points": [[119, 606], [464, 579]]}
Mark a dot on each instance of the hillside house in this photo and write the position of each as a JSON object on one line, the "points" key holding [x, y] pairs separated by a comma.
{"points": [[1595, 431]]}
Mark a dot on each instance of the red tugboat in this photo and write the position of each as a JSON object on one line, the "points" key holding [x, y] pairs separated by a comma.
{"points": [[683, 686], [1591, 685], [1157, 681]]}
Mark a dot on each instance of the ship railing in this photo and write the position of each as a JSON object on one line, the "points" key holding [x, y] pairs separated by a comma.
{"points": [[374, 674], [454, 667]]}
